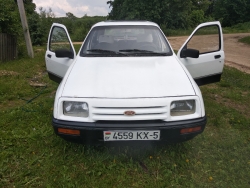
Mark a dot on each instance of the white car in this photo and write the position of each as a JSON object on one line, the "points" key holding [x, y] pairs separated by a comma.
{"points": [[127, 84]]}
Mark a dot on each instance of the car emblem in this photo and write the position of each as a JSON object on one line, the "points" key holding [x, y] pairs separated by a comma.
{"points": [[129, 113]]}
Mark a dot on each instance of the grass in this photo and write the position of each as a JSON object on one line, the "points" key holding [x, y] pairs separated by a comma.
{"points": [[245, 40], [238, 28], [31, 155]]}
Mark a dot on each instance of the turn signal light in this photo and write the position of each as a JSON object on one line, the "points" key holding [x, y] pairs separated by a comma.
{"points": [[190, 130], [69, 131]]}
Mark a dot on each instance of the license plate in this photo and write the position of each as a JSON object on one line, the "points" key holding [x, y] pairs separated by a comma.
{"points": [[131, 135]]}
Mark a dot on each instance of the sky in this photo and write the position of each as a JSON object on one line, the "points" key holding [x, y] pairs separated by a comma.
{"points": [[78, 7]]}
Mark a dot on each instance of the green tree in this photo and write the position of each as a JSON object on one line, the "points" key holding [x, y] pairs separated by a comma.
{"points": [[170, 13], [29, 6], [10, 21], [231, 12], [9, 18], [82, 26], [37, 30], [40, 24], [196, 17], [69, 22], [78, 28], [70, 16]]}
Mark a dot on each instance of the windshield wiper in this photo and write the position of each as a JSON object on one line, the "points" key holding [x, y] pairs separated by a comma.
{"points": [[143, 51], [106, 51]]}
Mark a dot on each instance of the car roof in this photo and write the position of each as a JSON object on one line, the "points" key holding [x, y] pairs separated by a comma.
{"points": [[124, 22]]}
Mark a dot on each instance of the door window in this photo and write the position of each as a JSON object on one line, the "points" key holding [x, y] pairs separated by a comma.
{"points": [[206, 39], [59, 40]]}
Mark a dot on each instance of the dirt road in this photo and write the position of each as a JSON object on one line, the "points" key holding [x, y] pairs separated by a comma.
{"points": [[237, 54]]}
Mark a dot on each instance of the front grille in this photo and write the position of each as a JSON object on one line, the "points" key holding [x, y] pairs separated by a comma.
{"points": [[117, 113]]}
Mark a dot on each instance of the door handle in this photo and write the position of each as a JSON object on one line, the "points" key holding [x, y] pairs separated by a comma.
{"points": [[217, 56], [49, 56]]}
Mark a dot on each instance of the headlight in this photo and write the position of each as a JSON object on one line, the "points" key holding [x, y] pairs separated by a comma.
{"points": [[78, 109], [180, 108]]}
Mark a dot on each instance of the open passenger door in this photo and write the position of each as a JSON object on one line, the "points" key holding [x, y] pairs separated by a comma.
{"points": [[203, 53], [60, 52]]}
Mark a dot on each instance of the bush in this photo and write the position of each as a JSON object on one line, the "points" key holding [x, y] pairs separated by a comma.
{"points": [[238, 28]]}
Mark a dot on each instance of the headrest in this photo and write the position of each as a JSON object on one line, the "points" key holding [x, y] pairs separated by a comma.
{"points": [[106, 38], [145, 38]]}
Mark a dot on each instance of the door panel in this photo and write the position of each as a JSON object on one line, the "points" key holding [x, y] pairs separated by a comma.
{"points": [[58, 39], [208, 67]]}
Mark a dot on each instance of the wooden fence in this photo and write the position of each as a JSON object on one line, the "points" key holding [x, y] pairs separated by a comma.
{"points": [[8, 47]]}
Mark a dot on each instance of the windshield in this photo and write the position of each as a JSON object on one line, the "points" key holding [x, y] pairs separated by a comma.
{"points": [[125, 40]]}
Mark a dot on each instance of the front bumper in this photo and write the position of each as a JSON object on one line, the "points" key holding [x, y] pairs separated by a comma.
{"points": [[93, 132]]}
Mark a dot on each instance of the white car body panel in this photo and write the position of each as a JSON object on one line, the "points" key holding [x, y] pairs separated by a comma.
{"points": [[58, 68], [127, 77], [209, 67], [206, 64], [125, 23]]}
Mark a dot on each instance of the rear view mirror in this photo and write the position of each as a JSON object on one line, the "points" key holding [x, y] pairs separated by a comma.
{"points": [[190, 53], [62, 53]]}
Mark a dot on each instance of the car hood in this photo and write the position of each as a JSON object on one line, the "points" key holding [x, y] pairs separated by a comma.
{"points": [[127, 77]]}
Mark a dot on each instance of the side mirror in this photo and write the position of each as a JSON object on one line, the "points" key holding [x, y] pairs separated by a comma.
{"points": [[190, 53], [62, 53]]}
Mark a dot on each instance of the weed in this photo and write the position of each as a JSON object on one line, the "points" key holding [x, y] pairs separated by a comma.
{"points": [[245, 40]]}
